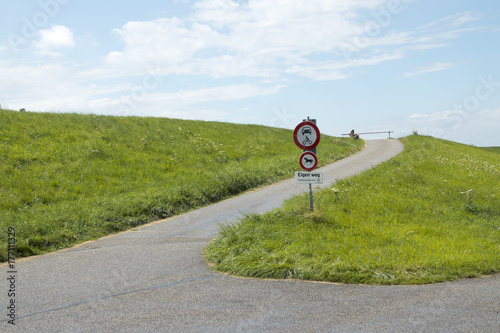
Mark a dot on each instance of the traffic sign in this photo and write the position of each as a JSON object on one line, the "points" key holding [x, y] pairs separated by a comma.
{"points": [[306, 135], [308, 161], [302, 177]]}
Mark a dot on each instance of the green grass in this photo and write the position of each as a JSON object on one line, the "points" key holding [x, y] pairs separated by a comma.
{"points": [[495, 149], [431, 214], [68, 178]]}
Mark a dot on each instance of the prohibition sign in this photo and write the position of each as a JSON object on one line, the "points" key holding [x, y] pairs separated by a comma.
{"points": [[308, 161], [306, 135]]}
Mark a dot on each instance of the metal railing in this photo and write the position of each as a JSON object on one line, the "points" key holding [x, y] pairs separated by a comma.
{"points": [[353, 134]]}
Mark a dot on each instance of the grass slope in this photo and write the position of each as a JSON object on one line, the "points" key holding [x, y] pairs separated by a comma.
{"points": [[68, 178], [431, 214], [495, 149]]}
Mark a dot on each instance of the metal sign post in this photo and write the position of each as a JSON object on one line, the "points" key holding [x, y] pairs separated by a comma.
{"points": [[306, 136], [311, 203]]}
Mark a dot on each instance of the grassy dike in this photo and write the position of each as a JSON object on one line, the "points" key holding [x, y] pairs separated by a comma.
{"points": [[495, 149], [69, 178], [431, 214]]}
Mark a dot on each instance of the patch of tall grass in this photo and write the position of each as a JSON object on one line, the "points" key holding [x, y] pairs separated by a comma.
{"points": [[431, 214], [68, 178], [495, 149]]}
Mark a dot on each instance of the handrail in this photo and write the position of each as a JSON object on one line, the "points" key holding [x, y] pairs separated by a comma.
{"points": [[352, 133]]}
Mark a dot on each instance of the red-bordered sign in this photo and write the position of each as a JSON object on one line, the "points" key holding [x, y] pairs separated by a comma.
{"points": [[306, 135], [308, 161]]}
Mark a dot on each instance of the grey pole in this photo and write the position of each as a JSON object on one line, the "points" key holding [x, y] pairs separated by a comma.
{"points": [[311, 203]]}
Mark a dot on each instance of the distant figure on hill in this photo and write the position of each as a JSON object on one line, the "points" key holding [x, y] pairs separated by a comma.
{"points": [[354, 135]]}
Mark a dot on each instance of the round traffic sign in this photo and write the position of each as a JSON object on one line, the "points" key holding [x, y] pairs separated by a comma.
{"points": [[308, 161], [306, 135]]}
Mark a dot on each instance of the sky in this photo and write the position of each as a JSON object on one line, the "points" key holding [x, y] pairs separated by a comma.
{"points": [[406, 66]]}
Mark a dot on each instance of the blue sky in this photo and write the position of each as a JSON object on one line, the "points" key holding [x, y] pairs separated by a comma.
{"points": [[368, 65]]}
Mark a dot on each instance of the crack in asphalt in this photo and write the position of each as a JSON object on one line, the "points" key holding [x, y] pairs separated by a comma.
{"points": [[114, 295]]}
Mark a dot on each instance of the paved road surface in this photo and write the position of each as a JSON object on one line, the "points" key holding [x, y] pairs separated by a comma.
{"points": [[155, 280]]}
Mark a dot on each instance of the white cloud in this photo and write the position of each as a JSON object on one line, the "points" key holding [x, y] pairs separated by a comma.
{"points": [[451, 20], [446, 116], [434, 67], [45, 87], [332, 70], [224, 38], [479, 128], [269, 41], [182, 100], [171, 40], [463, 18], [231, 92], [436, 34], [52, 38], [67, 89]]}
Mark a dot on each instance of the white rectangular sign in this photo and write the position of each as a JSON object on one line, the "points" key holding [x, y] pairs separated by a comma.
{"points": [[308, 177]]}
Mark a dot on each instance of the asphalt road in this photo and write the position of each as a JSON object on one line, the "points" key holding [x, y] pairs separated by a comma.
{"points": [[155, 280]]}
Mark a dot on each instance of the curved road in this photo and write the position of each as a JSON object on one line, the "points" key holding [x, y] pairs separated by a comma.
{"points": [[155, 280]]}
